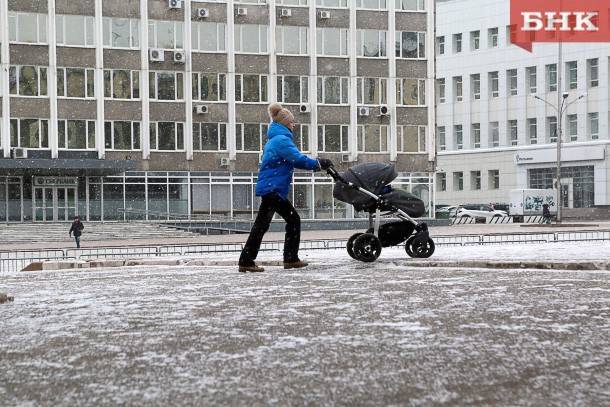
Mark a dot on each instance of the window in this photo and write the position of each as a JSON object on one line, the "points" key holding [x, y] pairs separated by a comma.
{"points": [[593, 72], [250, 136], [331, 41], [593, 119], [165, 34], [410, 5], [208, 36], [121, 32], [572, 75], [531, 78], [411, 92], [475, 180], [121, 84], [440, 90], [332, 3], [251, 38], [573, 127], [457, 43], [494, 134], [292, 89], [475, 40], [372, 91], [333, 138], [371, 4], [292, 2], [511, 78], [372, 138], [441, 181], [532, 131], [251, 88], [333, 90], [29, 133], [410, 44], [166, 85], [411, 139], [75, 83], [27, 27], [442, 144], [493, 179], [458, 136], [209, 87], [371, 43], [440, 45], [76, 134], [494, 84], [551, 125], [476, 135], [27, 80], [475, 86], [75, 30], [458, 181], [209, 137], [457, 88], [166, 136], [551, 78], [492, 37], [122, 135], [513, 132], [300, 136], [291, 40]]}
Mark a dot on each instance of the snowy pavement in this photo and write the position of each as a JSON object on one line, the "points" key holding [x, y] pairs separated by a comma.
{"points": [[337, 333]]}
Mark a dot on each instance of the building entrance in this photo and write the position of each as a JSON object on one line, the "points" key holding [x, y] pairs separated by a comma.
{"points": [[54, 199]]}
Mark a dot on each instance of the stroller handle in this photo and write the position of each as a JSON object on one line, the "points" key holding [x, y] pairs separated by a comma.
{"points": [[335, 174]]}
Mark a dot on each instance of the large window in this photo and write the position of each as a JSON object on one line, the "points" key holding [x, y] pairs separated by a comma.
{"points": [[333, 90], [332, 3], [511, 81], [292, 89], [513, 132], [531, 79], [492, 37], [411, 92], [332, 41], [27, 27], [251, 88], [250, 136], [209, 136], [121, 32], [551, 125], [440, 45], [475, 86], [122, 135], [411, 139], [291, 40], [165, 34], [410, 5], [75, 83], [165, 85], [532, 131], [121, 84], [593, 125], [440, 89], [372, 91], [28, 80], [371, 43], [475, 40], [494, 134], [333, 138], [292, 2], [571, 75], [475, 132], [593, 72], [300, 136], [583, 184], [458, 89], [458, 137], [573, 127], [457, 43], [76, 134], [30, 133], [75, 30], [371, 4], [551, 77], [494, 84], [372, 138], [251, 38], [209, 87], [166, 136], [410, 44], [209, 37], [441, 138]]}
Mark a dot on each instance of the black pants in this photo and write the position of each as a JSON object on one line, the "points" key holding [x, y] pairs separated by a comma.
{"points": [[271, 204]]}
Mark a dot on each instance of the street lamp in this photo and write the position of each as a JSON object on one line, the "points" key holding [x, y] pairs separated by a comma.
{"points": [[561, 109]]}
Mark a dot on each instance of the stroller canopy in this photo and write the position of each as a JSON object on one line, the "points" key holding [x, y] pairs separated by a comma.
{"points": [[370, 176]]}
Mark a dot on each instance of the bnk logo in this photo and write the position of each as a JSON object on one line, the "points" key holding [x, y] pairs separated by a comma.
{"points": [[558, 20]]}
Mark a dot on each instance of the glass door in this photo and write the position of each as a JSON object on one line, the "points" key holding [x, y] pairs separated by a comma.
{"points": [[66, 203], [43, 205]]}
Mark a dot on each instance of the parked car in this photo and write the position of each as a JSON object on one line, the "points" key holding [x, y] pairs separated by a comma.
{"points": [[478, 211], [445, 211]]}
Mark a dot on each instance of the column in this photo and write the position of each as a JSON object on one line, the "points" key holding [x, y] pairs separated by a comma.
{"points": [[231, 143], [100, 144], [145, 128], [353, 86], [52, 80], [188, 81], [5, 125], [313, 80], [272, 53], [431, 74], [392, 78]]}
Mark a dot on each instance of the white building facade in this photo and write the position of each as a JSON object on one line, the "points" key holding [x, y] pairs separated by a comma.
{"points": [[492, 134]]}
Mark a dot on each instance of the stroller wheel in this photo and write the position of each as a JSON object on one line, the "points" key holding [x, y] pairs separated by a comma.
{"points": [[350, 245], [367, 247], [418, 248]]}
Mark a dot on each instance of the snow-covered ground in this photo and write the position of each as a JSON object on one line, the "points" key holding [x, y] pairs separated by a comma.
{"points": [[338, 332]]}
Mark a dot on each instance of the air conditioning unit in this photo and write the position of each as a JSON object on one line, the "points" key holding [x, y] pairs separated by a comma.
{"points": [[203, 12], [305, 108], [345, 158], [285, 12], [174, 3], [224, 162], [179, 57], [201, 109], [384, 110], [324, 14], [19, 152], [364, 111], [241, 11], [156, 55]]}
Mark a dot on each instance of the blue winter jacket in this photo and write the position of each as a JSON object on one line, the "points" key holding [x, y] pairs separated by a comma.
{"points": [[280, 157]]}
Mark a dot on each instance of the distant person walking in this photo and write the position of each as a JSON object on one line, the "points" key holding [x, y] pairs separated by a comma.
{"points": [[546, 214], [76, 228]]}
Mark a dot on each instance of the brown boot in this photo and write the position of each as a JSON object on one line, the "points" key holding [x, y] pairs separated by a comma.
{"points": [[297, 264], [251, 269]]}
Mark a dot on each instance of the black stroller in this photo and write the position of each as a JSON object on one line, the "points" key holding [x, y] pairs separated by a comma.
{"points": [[367, 188]]}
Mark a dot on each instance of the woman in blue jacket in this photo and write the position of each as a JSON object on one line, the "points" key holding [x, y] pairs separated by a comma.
{"points": [[280, 157]]}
